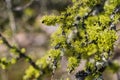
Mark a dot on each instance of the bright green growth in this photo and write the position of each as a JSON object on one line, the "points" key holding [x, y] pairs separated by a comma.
{"points": [[84, 33], [86, 30], [72, 63]]}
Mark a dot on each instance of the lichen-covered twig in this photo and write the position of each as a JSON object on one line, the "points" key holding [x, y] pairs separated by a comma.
{"points": [[21, 54]]}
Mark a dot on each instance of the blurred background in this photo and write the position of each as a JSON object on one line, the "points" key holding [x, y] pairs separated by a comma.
{"points": [[20, 23]]}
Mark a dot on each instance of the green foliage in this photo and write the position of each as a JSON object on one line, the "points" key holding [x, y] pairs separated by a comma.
{"points": [[72, 63], [50, 21], [83, 34], [31, 73], [114, 67], [85, 31], [4, 62]]}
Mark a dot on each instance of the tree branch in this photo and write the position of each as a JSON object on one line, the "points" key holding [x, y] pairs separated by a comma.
{"points": [[11, 16], [21, 54], [20, 8]]}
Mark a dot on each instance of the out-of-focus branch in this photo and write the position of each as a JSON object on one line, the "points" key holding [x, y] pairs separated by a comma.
{"points": [[11, 16], [118, 75], [20, 8], [21, 54], [4, 75]]}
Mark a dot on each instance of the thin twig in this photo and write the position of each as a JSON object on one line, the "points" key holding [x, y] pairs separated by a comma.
{"points": [[21, 54], [118, 75], [11, 16], [20, 8]]}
